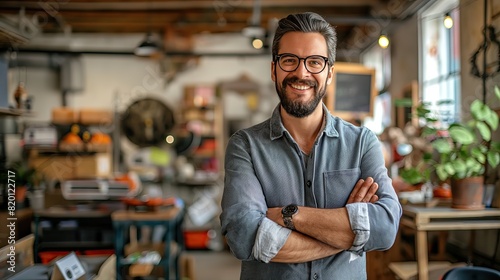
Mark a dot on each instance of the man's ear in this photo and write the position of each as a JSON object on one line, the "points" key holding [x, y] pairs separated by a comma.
{"points": [[330, 75], [273, 72]]}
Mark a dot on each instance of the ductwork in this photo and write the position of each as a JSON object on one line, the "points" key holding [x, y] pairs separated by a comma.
{"points": [[10, 35]]}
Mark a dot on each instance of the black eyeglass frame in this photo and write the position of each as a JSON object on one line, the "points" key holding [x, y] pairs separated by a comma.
{"points": [[278, 56]]}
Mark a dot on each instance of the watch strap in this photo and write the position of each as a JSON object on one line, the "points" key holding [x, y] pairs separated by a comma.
{"points": [[288, 222]]}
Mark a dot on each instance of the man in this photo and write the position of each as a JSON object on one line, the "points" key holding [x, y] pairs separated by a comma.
{"points": [[300, 199]]}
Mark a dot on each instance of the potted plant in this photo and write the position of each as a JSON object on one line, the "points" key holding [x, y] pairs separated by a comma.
{"points": [[463, 155], [25, 179]]}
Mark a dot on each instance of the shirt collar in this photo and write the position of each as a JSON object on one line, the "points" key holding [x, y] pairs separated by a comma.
{"points": [[277, 129]]}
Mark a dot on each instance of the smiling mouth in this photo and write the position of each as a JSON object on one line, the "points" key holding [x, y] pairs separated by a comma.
{"points": [[300, 86]]}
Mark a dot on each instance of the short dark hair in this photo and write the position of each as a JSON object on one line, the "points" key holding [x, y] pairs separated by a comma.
{"points": [[306, 22]]}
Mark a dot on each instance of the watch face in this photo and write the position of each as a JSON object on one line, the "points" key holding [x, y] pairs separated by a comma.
{"points": [[289, 210]]}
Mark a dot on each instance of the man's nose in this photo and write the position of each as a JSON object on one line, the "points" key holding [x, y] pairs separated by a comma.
{"points": [[302, 70]]}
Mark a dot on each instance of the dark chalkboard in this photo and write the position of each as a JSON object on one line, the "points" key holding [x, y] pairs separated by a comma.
{"points": [[352, 91]]}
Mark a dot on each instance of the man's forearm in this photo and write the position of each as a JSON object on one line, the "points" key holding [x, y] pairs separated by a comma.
{"points": [[330, 226], [302, 248]]}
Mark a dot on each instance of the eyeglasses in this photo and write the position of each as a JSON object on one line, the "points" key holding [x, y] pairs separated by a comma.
{"points": [[289, 62]]}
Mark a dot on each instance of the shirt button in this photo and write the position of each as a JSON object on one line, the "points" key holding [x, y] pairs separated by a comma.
{"points": [[315, 276], [308, 184]]}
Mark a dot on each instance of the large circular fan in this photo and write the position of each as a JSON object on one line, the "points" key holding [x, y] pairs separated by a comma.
{"points": [[147, 122]]}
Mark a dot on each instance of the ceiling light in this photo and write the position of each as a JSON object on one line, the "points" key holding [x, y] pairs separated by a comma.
{"points": [[147, 47], [383, 41], [257, 43], [448, 21]]}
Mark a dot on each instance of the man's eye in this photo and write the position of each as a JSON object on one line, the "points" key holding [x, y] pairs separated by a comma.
{"points": [[289, 60]]}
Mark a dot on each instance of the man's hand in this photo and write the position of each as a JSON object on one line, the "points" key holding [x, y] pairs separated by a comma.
{"points": [[364, 191]]}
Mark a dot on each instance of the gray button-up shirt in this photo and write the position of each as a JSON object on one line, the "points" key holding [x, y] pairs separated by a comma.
{"points": [[264, 167]]}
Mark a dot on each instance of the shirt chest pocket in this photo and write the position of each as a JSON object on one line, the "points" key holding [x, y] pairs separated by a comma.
{"points": [[338, 185]]}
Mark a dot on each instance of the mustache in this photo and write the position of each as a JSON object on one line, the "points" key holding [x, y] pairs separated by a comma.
{"points": [[296, 80]]}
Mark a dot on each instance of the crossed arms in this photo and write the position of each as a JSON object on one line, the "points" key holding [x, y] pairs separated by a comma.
{"points": [[313, 238]]}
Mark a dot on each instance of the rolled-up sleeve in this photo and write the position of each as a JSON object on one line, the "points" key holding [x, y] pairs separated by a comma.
{"points": [[360, 225], [270, 238]]}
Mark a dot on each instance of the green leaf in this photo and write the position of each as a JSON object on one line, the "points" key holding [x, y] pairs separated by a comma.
{"points": [[478, 109], [412, 176], [497, 92], [482, 148], [478, 154], [470, 163], [445, 102], [443, 146], [473, 168], [426, 131], [484, 130], [441, 172], [449, 168], [493, 159], [403, 102], [427, 157], [461, 135], [495, 146], [492, 120], [422, 111], [459, 166], [478, 168]]}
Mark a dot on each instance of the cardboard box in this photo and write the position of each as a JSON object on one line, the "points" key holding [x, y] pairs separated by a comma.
{"points": [[95, 117], [93, 166], [54, 167], [64, 115], [73, 166]]}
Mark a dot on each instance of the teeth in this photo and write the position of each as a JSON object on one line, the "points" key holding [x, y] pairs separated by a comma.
{"points": [[300, 87]]}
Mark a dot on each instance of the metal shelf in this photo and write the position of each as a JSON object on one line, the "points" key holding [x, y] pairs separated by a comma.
{"points": [[10, 112]]}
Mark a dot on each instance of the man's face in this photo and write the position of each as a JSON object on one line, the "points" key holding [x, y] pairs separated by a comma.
{"points": [[299, 91]]}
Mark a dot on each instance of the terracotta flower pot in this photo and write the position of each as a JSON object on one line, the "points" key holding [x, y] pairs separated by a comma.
{"points": [[467, 193], [20, 196]]}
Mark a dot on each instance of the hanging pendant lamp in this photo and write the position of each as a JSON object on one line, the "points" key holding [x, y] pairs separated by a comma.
{"points": [[147, 47]]}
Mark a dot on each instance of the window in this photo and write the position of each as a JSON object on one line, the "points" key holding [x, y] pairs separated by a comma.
{"points": [[440, 63]]}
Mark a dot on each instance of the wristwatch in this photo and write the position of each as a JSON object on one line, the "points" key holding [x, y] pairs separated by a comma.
{"points": [[287, 213]]}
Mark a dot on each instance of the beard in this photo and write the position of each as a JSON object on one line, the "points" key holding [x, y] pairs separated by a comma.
{"points": [[298, 108]]}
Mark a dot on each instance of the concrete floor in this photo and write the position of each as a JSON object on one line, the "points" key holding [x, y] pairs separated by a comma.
{"points": [[212, 265]]}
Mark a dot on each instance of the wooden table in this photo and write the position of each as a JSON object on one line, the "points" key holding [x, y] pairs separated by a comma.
{"points": [[424, 219]]}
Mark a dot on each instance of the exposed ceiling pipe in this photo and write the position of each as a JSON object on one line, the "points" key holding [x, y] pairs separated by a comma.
{"points": [[37, 60], [255, 29], [256, 13], [166, 5], [341, 53], [412, 9]]}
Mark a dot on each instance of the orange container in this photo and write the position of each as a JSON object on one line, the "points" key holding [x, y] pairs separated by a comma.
{"points": [[100, 252], [196, 239], [48, 256]]}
